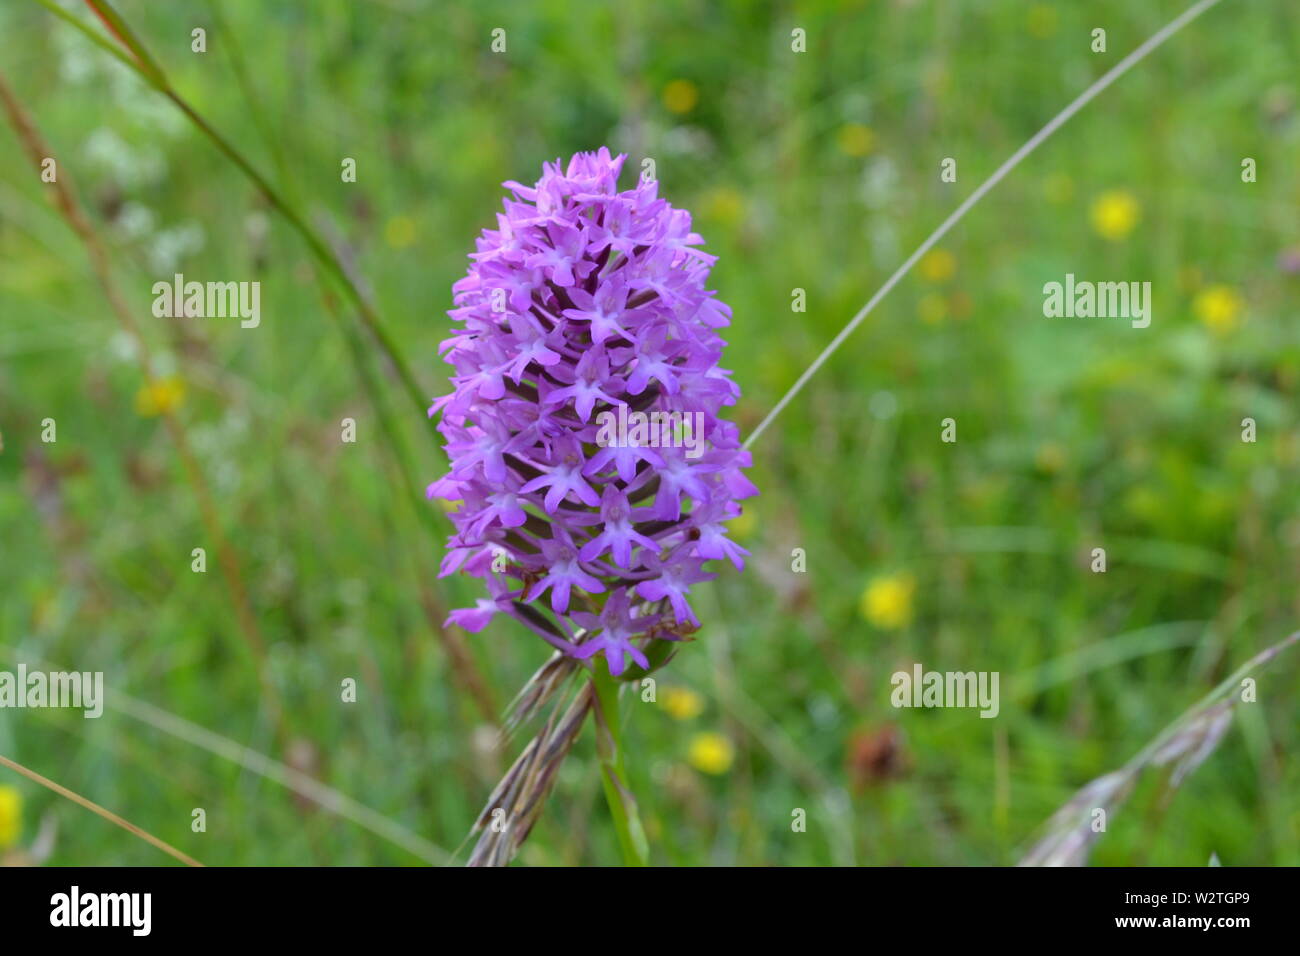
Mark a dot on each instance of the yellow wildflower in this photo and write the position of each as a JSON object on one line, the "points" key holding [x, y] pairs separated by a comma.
{"points": [[711, 753], [159, 397], [1219, 308], [11, 816], [682, 703], [887, 601], [1115, 214]]}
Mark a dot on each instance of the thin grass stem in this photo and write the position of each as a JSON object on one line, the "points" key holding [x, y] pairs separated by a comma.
{"points": [[93, 807]]}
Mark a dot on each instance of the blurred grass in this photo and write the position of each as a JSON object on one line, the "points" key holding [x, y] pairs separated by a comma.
{"points": [[816, 171]]}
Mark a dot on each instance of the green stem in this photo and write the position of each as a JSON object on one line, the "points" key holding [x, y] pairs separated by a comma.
{"points": [[609, 747]]}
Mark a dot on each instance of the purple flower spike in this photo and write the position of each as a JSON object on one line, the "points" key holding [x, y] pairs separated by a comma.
{"points": [[588, 456]]}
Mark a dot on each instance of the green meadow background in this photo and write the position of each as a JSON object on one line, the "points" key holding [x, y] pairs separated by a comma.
{"points": [[816, 171]]}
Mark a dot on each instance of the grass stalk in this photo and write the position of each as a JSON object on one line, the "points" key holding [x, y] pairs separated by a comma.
{"points": [[1067, 837], [93, 807]]}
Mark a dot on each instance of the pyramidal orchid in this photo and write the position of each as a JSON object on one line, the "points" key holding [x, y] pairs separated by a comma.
{"points": [[592, 472]]}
